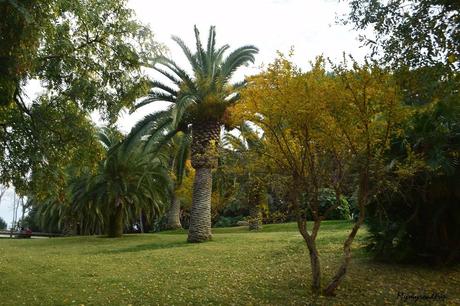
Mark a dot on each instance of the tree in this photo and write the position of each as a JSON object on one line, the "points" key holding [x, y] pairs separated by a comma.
{"points": [[246, 167], [3, 224], [126, 184], [179, 156], [3, 190], [321, 130], [87, 56], [417, 221], [420, 39], [413, 33], [199, 102]]}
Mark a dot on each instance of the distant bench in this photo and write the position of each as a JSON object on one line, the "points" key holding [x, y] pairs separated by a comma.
{"points": [[21, 234]]}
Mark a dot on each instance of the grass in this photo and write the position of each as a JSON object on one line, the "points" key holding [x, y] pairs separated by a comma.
{"points": [[270, 267]]}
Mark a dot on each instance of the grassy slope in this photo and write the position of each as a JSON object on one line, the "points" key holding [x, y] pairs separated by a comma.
{"points": [[268, 267]]}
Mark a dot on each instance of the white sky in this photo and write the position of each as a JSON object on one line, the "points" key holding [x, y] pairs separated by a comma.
{"points": [[271, 25]]}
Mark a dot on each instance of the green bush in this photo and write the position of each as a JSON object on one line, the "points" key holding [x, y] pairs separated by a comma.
{"points": [[3, 224], [327, 199], [227, 221], [419, 224]]}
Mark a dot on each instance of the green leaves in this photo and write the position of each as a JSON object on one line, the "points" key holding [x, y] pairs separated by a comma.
{"points": [[87, 56], [133, 177], [208, 87], [410, 33]]}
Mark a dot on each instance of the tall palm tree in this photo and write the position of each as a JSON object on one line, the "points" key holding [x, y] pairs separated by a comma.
{"points": [[126, 184], [199, 103]]}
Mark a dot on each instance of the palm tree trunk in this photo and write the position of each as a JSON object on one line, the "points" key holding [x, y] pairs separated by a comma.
{"points": [[115, 224], [141, 222], [173, 215], [254, 221], [200, 215], [254, 197], [204, 159]]}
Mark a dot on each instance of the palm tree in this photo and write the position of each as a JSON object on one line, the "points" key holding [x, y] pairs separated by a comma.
{"points": [[246, 152], [199, 104], [127, 183], [179, 155]]}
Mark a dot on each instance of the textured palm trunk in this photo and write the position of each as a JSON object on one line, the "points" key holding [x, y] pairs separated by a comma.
{"points": [[254, 197], [173, 215], [115, 224], [204, 159], [254, 222]]}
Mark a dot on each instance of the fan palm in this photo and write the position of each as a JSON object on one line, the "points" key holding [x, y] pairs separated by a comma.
{"points": [[126, 183], [199, 105]]}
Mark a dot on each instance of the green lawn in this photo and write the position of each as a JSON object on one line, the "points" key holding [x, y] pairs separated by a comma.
{"points": [[270, 267]]}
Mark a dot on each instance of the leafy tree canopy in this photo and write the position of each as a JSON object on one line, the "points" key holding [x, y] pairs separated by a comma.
{"points": [[87, 56], [411, 32]]}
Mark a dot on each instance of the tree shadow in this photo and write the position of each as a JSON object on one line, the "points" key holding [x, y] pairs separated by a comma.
{"points": [[158, 245]]}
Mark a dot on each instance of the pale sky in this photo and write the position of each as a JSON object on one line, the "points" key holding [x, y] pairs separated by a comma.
{"points": [[272, 25]]}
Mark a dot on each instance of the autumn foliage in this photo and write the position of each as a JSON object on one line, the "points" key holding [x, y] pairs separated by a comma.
{"points": [[325, 129]]}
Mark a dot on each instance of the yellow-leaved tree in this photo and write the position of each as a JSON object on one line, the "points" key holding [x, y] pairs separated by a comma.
{"points": [[324, 130]]}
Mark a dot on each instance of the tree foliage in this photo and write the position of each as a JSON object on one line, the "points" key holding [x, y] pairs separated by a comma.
{"points": [[125, 185], [121, 187], [199, 104], [420, 39], [324, 130], [86, 55], [414, 33]]}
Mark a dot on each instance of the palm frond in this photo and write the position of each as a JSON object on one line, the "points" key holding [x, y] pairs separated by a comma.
{"points": [[188, 53], [200, 53], [148, 125], [155, 97], [238, 58], [182, 155], [155, 84]]}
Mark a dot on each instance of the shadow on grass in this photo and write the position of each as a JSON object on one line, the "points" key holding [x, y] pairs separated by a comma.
{"points": [[158, 245]]}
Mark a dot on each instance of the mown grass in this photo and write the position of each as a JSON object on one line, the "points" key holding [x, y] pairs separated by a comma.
{"points": [[270, 267]]}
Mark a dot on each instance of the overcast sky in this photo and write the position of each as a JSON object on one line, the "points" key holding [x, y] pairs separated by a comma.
{"points": [[272, 25]]}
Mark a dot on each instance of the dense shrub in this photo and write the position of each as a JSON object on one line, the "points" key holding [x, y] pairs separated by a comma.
{"points": [[420, 225], [327, 198], [3, 224], [420, 222], [224, 221]]}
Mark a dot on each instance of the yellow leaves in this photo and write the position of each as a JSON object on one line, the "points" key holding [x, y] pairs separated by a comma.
{"points": [[184, 191]]}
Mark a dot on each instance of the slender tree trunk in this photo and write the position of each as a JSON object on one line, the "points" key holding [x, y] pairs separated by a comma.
{"points": [[342, 271], [141, 222], [115, 224], [204, 159], [310, 240], [173, 215], [315, 267]]}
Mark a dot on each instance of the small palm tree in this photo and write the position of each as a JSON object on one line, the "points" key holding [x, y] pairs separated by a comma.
{"points": [[200, 102], [126, 184]]}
